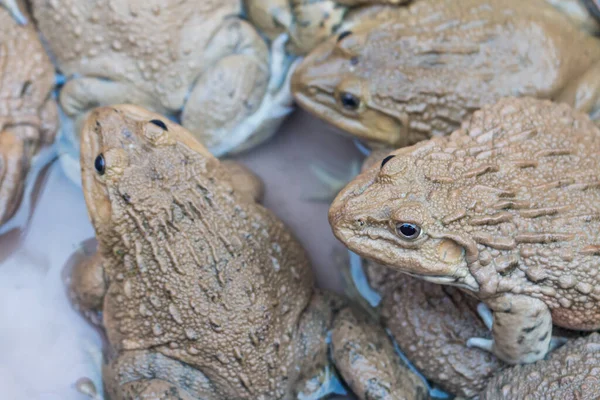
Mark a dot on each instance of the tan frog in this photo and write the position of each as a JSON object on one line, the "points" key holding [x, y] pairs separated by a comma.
{"points": [[195, 61], [204, 293], [415, 73], [506, 207], [28, 113], [430, 323], [307, 22], [570, 373]]}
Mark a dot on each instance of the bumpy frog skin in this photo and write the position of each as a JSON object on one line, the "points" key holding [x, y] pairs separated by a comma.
{"points": [[307, 22], [28, 114], [204, 293], [570, 373], [506, 207], [431, 323], [420, 70], [196, 61]]}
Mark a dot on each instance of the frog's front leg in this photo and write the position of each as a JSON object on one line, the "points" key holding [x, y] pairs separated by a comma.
{"points": [[244, 180], [87, 286], [80, 95], [366, 359], [14, 164], [13, 8], [147, 374], [231, 90], [583, 93], [521, 329]]}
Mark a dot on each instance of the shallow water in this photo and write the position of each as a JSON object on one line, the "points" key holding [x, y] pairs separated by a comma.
{"points": [[45, 346]]}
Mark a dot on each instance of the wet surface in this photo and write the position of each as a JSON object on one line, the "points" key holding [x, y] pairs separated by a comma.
{"points": [[46, 346]]}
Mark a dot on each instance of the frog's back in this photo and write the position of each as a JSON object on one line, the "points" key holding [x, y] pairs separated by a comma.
{"points": [[203, 275], [520, 181], [439, 61], [26, 73]]}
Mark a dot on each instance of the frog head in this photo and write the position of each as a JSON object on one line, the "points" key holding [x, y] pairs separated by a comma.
{"points": [[390, 213]]}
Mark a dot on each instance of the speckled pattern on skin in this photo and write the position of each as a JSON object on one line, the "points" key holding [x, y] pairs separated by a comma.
{"points": [[570, 373], [431, 324], [308, 22], [506, 207], [204, 293], [197, 58], [28, 114], [417, 72]]}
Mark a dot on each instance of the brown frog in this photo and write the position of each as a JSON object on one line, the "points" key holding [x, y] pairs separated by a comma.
{"points": [[506, 208], [307, 22], [28, 113], [431, 324], [196, 61], [204, 293], [570, 373], [417, 72]]}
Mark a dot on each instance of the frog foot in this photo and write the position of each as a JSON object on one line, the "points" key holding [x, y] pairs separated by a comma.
{"points": [[276, 105], [332, 181], [13, 8], [486, 315]]}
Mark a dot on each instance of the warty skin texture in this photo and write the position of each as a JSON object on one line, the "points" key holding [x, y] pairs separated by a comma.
{"points": [[506, 207], [416, 72], [204, 293], [307, 22], [431, 324], [28, 113], [570, 373], [197, 60]]}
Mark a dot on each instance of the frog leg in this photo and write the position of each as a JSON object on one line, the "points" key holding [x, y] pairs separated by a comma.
{"points": [[87, 287], [147, 374], [244, 180], [366, 359], [230, 90], [14, 164], [13, 8], [80, 95], [521, 329], [583, 93]]}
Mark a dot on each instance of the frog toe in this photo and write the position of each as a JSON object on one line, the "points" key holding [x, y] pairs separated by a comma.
{"points": [[13, 8], [481, 343], [486, 315]]}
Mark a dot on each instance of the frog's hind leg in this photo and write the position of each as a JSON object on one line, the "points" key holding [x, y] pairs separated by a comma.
{"points": [[13, 8], [367, 361], [583, 93], [521, 328], [146, 374], [231, 89]]}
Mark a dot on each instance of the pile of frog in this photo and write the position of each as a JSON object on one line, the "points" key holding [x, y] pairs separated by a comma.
{"points": [[473, 227]]}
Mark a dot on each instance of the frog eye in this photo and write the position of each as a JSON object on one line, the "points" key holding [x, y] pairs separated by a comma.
{"points": [[100, 164], [159, 123], [385, 160], [343, 35], [408, 231], [349, 101]]}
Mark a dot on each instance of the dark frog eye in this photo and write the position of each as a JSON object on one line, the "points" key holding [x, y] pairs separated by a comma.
{"points": [[100, 164], [408, 231], [349, 101], [385, 160], [160, 124]]}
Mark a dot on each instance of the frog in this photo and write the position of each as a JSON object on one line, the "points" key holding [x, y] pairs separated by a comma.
{"points": [[28, 112], [307, 22], [569, 373], [203, 293], [430, 325], [205, 67], [503, 208], [13, 7], [411, 74]]}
